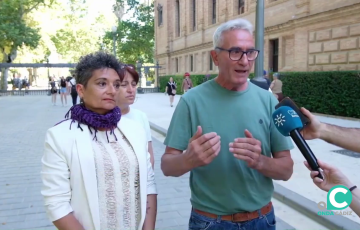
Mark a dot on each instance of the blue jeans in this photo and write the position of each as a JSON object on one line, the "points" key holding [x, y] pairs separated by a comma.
{"points": [[200, 222]]}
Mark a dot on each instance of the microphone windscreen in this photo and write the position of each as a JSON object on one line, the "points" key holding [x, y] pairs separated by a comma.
{"points": [[286, 120]]}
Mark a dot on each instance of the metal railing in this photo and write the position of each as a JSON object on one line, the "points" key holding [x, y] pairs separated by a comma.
{"points": [[150, 90], [24, 92]]}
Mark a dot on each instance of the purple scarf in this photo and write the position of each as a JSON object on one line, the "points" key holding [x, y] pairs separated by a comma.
{"points": [[94, 120]]}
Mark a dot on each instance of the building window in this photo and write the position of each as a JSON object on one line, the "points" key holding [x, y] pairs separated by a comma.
{"points": [[160, 14], [177, 19], [193, 15], [176, 65], [213, 10], [191, 63], [241, 6], [274, 55], [210, 63]]}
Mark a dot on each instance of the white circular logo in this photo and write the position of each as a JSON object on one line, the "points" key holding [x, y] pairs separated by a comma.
{"points": [[332, 197]]}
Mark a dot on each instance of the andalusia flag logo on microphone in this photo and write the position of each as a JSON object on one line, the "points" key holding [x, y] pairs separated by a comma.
{"points": [[279, 120]]}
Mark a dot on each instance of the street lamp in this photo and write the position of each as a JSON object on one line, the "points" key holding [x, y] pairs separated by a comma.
{"points": [[139, 66], [47, 61], [259, 39], [114, 30], [157, 75], [259, 79]]}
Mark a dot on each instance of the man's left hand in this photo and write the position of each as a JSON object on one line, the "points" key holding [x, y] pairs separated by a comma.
{"points": [[247, 149]]}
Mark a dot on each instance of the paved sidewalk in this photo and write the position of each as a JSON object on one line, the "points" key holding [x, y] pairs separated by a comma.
{"points": [[23, 124], [159, 112]]}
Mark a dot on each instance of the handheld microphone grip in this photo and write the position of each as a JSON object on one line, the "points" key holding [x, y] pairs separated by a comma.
{"points": [[306, 151]]}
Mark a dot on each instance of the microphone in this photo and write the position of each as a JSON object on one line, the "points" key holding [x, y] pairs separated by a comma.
{"points": [[288, 122]]}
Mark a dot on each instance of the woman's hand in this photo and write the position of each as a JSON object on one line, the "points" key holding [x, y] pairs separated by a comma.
{"points": [[332, 177]]}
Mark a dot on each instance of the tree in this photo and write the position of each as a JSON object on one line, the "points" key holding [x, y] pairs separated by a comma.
{"points": [[15, 31], [134, 36], [80, 33]]}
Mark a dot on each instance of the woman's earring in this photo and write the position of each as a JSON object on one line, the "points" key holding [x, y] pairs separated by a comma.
{"points": [[81, 101]]}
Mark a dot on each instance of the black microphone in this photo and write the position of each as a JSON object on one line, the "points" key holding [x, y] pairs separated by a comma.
{"points": [[288, 122]]}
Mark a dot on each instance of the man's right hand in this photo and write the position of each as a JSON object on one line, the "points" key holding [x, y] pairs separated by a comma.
{"points": [[313, 129], [202, 148]]}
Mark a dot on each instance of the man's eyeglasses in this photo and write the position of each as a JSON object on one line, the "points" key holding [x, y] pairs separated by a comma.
{"points": [[236, 54]]}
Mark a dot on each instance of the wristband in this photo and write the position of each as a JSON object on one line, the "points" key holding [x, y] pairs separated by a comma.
{"points": [[352, 188]]}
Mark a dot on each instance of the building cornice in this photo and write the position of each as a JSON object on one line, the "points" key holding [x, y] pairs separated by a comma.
{"points": [[207, 45], [338, 13], [314, 19]]}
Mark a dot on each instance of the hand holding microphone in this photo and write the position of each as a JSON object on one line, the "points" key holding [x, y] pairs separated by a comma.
{"points": [[288, 122]]}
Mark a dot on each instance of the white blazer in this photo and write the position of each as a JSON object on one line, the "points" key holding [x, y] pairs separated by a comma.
{"points": [[69, 176]]}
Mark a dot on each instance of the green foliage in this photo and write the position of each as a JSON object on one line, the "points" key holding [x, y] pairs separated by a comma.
{"points": [[14, 30], [135, 36], [17, 29], [77, 36], [335, 93]]}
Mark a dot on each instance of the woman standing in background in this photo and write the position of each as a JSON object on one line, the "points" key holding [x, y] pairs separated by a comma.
{"points": [[171, 90]]}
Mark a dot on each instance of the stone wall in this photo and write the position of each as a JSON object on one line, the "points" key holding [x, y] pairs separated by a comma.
{"points": [[314, 35], [335, 48]]}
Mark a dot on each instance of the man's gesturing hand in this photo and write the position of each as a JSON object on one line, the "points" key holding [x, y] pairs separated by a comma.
{"points": [[247, 149], [202, 148]]}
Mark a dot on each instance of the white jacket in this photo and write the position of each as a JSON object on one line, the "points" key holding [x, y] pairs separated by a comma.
{"points": [[69, 176]]}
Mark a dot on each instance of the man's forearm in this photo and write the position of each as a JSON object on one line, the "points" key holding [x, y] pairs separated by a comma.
{"points": [[347, 138], [276, 168], [68, 222], [151, 210], [174, 165]]}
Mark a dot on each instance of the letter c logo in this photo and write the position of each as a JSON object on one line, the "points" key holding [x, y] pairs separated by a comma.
{"points": [[332, 197]]}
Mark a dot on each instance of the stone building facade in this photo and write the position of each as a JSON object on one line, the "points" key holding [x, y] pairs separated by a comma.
{"points": [[300, 35]]}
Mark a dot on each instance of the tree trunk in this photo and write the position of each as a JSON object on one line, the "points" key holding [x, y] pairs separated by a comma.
{"points": [[35, 75], [6, 57], [4, 77], [30, 78]]}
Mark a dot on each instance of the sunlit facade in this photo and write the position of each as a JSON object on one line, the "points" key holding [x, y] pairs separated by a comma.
{"points": [[300, 35]]}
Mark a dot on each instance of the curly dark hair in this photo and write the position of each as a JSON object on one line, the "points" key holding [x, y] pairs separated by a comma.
{"points": [[94, 61]]}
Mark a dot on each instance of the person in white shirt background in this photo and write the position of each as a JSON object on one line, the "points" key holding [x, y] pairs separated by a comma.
{"points": [[127, 97]]}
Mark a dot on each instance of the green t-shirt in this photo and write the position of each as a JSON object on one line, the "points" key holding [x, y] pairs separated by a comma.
{"points": [[227, 185]]}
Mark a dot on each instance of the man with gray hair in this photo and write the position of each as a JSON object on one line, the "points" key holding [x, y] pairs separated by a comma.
{"points": [[231, 180]]}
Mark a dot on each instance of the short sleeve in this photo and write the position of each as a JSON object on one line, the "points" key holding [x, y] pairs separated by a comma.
{"points": [[179, 132], [277, 140]]}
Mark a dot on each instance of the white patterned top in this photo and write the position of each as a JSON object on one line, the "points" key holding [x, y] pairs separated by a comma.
{"points": [[117, 171]]}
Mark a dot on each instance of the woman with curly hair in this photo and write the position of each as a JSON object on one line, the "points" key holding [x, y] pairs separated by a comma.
{"points": [[96, 169]]}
